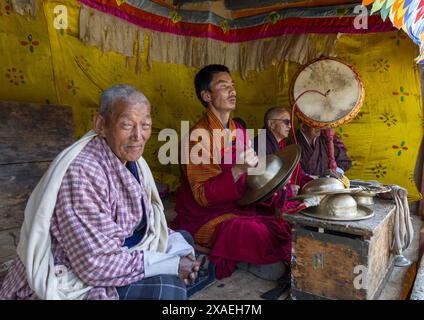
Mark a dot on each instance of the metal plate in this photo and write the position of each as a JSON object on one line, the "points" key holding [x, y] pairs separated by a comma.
{"points": [[365, 213]]}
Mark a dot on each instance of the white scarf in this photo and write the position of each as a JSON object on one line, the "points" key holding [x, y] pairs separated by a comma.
{"points": [[403, 230], [34, 248]]}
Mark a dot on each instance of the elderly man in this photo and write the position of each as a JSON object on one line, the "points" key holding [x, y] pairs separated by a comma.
{"points": [[314, 160], [277, 124], [206, 203], [94, 226]]}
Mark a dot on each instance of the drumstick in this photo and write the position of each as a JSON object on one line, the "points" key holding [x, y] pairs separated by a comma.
{"points": [[294, 105]]}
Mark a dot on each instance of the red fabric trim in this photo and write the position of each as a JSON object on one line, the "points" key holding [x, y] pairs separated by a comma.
{"points": [[267, 30]]}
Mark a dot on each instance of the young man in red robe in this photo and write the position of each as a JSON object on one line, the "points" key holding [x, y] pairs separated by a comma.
{"points": [[206, 203]]}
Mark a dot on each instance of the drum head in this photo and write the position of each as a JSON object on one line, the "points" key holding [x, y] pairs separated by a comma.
{"points": [[343, 89]]}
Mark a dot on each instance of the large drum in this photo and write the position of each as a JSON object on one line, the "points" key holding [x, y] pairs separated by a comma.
{"points": [[329, 92]]}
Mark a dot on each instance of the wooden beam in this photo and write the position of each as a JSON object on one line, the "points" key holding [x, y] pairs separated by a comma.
{"points": [[8, 241], [16, 184], [32, 132]]}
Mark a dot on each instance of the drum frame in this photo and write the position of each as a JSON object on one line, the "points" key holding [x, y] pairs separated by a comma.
{"points": [[335, 123]]}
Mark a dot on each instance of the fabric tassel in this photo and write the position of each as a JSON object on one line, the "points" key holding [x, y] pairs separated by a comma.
{"points": [[109, 33], [25, 7]]}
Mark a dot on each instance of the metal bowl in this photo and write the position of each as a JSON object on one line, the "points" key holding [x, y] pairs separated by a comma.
{"points": [[365, 197], [339, 206], [322, 185]]}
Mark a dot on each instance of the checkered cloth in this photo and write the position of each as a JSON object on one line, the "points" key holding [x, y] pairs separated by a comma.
{"points": [[168, 287], [161, 287]]}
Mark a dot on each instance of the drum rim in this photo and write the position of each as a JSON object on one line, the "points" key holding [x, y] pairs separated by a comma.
{"points": [[335, 123]]}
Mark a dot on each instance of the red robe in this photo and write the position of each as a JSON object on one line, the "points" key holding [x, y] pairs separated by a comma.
{"points": [[249, 234]]}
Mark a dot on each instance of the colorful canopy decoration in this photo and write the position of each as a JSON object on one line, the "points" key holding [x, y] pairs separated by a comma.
{"points": [[237, 26], [200, 33], [407, 15]]}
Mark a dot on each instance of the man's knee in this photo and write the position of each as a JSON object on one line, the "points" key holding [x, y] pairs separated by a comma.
{"points": [[175, 289], [160, 287]]}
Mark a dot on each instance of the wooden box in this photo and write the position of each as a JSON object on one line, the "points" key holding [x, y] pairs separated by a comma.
{"points": [[342, 260]]}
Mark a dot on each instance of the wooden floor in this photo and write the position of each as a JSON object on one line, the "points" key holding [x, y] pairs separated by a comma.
{"points": [[243, 285], [398, 285]]}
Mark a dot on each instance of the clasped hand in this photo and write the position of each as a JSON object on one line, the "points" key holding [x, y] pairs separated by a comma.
{"points": [[188, 268]]}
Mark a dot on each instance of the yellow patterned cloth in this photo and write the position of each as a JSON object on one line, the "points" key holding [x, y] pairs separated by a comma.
{"points": [[41, 64]]}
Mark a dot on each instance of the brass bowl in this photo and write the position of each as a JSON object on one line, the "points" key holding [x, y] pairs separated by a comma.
{"points": [[322, 185], [273, 166], [338, 206], [365, 197]]}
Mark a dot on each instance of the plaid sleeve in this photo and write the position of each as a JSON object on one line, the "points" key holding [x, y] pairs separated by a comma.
{"points": [[89, 235]]}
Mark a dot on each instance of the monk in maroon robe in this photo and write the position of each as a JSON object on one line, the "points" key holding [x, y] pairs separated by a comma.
{"points": [[206, 203], [314, 159]]}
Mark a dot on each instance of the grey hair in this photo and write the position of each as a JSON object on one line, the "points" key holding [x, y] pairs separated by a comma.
{"points": [[120, 93], [272, 112]]}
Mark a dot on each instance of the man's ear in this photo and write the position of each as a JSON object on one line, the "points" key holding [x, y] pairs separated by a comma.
{"points": [[99, 125], [206, 96], [270, 124]]}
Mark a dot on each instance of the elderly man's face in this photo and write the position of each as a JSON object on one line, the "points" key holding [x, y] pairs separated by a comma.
{"points": [[280, 125], [127, 129]]}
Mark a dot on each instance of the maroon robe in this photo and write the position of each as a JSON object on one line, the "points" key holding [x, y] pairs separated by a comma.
{"points": [[253, 236], [314, 160]]}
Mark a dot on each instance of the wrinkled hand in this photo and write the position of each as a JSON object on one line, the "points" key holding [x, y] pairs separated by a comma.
{"points": [[189, 268], [312, 201]]}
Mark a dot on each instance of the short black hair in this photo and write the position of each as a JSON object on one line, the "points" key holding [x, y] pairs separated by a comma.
{"points": [[202, 81]]}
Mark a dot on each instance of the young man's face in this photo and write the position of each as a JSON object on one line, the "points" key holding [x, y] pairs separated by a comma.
{"points": [[222, 94], [127, 129]]}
